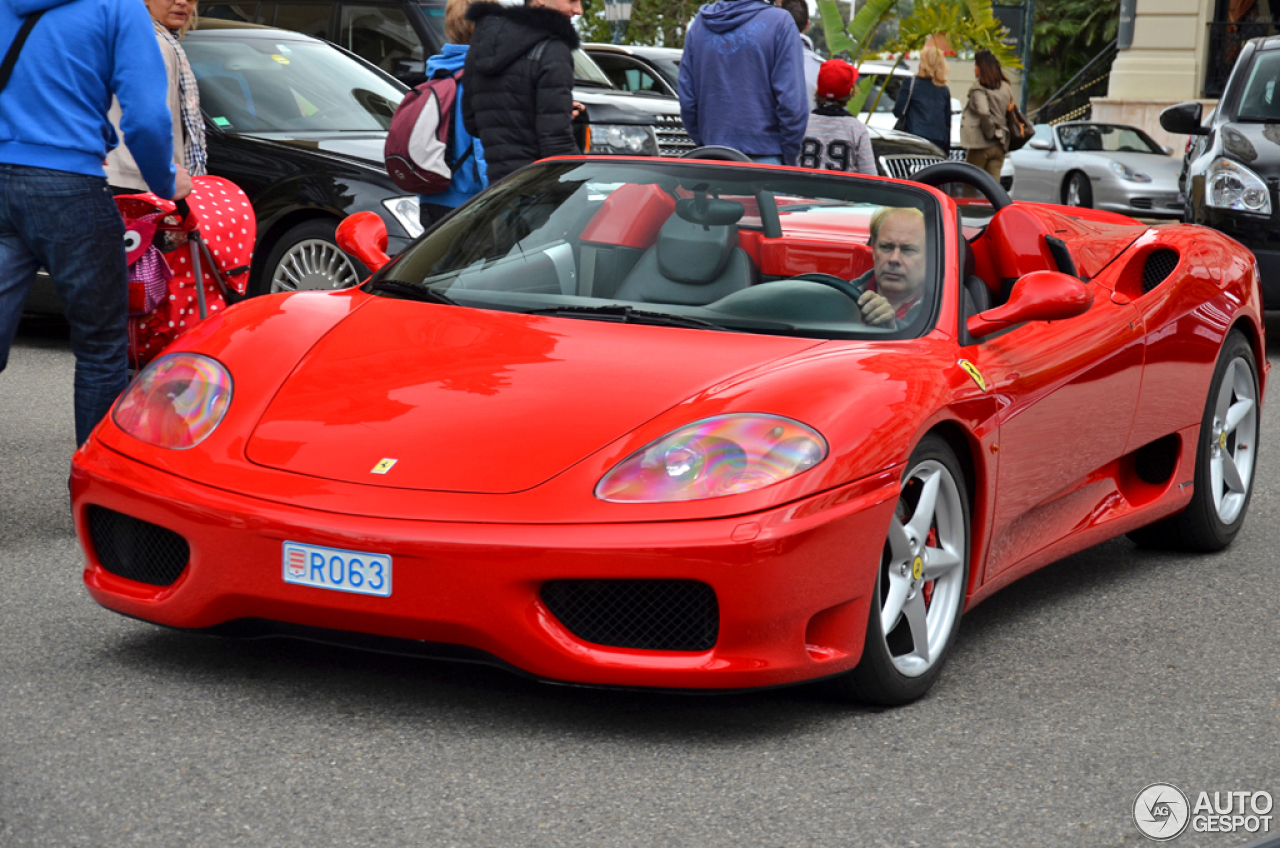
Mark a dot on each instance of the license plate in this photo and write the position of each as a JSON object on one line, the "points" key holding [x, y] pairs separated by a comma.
{"points": [[333, 568]]}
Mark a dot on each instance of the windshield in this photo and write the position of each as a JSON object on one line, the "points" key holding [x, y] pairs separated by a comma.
{"points": [[688, 244], [587, 72], [263, 84], [1107, 137], [1260, 100]]}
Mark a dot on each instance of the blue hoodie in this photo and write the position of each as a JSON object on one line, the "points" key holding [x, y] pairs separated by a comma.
{"points": [[470, 179], [742, 79], [53, 113]]}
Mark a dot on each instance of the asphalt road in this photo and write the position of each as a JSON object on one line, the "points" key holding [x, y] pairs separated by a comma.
{"points": [[1067, 694]]}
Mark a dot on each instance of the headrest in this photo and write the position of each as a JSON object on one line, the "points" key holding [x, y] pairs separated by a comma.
{"points": [[696, 253]]}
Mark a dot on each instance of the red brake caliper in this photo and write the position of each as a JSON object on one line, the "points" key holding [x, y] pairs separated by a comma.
{"points": [[931, 542]]}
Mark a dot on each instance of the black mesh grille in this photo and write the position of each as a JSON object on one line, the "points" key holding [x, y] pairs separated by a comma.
{"points": [[656, 615], [1160, 264], [1140, 202], [136, 549]]}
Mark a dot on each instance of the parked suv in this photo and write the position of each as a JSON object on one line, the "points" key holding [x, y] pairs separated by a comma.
{"points": [[398, 36], [1232, 172]]}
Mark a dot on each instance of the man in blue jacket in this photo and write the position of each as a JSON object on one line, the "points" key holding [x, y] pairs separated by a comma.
{"points": [[742, 80], [55, 208]]}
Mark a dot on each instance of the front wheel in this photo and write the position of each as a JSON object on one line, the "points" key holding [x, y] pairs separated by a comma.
{"points": [[307, 257], [1225, 458], [1077, 191], [919, 593]]}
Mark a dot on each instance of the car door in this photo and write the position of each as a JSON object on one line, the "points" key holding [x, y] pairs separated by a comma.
{"points": [[1068, 392], [1036, 168]]}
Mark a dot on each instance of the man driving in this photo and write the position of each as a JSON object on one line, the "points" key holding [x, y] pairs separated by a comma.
{"points": [[894, 286]]}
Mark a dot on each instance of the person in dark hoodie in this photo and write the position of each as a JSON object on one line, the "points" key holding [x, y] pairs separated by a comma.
{"points": [[742, 80], [519, 78], [55, 209]]}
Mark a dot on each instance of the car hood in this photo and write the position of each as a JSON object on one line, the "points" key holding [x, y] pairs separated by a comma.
{"points": [[363, 147], [895, 141], [605, 106], [477, 401]]}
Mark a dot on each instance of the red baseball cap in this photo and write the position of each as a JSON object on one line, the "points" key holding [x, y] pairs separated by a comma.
{"points": [[836, 79]]}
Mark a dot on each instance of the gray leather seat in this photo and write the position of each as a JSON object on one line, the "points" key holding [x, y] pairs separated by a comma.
{"points": [[696, 259]]}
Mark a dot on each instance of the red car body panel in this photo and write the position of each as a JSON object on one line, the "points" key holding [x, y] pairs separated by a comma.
{"points": [[488, 503]]}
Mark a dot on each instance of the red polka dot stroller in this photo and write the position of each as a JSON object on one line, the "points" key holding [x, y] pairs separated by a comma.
{"points": [[168, 252]]}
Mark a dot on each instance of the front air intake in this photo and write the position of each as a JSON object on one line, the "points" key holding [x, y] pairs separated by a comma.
{"points": [[135, 549], [655, 615], [1159, 265]]}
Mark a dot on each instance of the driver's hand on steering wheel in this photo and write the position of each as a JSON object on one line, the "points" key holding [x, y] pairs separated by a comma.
{"points": [[875, 309]]}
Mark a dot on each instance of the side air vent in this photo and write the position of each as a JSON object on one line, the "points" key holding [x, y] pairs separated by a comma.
{"points": [[1160, 264]]}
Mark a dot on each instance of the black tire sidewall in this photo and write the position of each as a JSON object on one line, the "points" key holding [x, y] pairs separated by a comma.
{"points": [[1086, 189]]}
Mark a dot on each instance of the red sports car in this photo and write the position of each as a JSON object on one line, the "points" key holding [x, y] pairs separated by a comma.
{"points": [[685, 424]]}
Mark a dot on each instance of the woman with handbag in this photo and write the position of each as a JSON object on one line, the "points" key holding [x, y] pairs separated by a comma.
{"points": [[923, 107], [984, 127]]}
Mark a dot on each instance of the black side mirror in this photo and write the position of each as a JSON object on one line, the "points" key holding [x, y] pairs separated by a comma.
{"points": [[1183, 119]]}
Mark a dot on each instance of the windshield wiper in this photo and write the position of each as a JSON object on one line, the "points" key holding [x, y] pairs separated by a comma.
{"points": [[628, 315], [411, 291]]}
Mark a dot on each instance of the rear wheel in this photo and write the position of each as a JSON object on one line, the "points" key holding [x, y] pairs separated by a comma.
{"points": [[1077, 191], [307, 257], [1225, 459], [919, 593]]}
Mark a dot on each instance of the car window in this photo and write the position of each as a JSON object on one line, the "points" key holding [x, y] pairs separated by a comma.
{"points": [[691, 243], [263, 84], [1107, 138], [628, 74], [381, 35], [886, 88], [242, 12], [587, 72], [1261, 99], [314, 19]]}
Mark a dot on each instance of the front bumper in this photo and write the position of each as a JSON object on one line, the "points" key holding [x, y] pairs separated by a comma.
{"points": [[792, 584]]}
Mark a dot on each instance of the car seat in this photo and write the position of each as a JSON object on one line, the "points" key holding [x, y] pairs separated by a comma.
{"points": [[697, 258]]}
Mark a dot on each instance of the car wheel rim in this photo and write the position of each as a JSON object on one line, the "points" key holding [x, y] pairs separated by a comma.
{"points": [[1073, 193], [923, 579], [313, 264], [1234, 435]]}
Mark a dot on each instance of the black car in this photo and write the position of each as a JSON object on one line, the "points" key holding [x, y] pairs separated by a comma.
{"points": [[398, 36], [1233, 171], [299, 125]]}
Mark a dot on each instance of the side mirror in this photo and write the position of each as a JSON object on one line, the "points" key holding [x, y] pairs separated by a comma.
{"points": [[1040, 144], [364, 236], [1183, 119], [1039, 296], [1168, 151]]}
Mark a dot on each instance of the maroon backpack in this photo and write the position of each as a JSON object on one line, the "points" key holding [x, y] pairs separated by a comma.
{"points": [[419, 150]]}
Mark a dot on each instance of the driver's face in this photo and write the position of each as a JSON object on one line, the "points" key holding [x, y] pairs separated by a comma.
{"points": [[899, 256]]}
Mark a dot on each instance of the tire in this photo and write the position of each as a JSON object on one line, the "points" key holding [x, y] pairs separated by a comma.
{"points": [[893, 669], [308, 257], [1226, 460], [1077, 191]]}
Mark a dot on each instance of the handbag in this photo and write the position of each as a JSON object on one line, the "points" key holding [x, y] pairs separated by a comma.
{"points": [[1020, 129], [901, 123]]}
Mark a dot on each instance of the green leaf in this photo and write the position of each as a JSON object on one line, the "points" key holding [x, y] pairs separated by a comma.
{"points": [[833, 25]]}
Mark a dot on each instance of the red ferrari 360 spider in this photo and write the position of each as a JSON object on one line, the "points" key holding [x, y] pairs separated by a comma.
{"points": [[685, 424]]}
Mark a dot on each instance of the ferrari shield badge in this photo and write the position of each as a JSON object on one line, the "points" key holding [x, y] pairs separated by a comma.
{"points": [[383, 466], [973, 372]]}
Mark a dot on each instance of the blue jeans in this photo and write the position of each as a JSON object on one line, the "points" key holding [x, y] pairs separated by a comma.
{"points": [[766, 159], [69, 224]]}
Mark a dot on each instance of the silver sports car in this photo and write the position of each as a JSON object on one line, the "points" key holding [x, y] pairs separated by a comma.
{"points": [[1105, 166]]}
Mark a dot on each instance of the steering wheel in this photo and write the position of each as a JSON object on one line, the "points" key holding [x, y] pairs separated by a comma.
{"points": [[717, 151], [840, 284], [970, 175]]}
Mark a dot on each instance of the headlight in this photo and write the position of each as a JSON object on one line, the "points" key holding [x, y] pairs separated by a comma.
{"points": [[1230, 185], [714, 457], [176, 401], [405, 210], [622, 139], [1124, 172]]}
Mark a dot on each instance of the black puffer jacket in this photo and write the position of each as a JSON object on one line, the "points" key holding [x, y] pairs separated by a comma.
{"points": [[519, 107]]}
